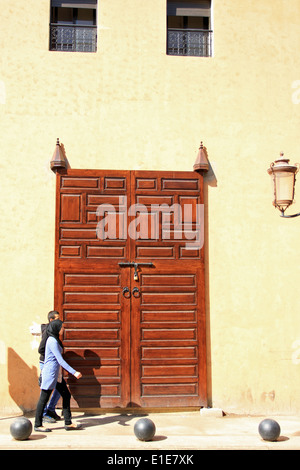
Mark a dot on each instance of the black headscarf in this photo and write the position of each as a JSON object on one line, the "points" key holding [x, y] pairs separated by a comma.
{"points": [[53, 329]]}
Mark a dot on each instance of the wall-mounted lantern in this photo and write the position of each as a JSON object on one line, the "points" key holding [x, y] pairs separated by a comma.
{"points": [[284, 177]]}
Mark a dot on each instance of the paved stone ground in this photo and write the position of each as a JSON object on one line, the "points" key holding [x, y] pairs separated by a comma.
{"points": [[179, 431]]}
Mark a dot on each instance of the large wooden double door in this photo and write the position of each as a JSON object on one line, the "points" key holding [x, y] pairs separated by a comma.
{"points": [[129, 283]]}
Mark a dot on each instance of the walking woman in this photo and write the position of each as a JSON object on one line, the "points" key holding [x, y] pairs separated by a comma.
{"points": [[51, 379]]}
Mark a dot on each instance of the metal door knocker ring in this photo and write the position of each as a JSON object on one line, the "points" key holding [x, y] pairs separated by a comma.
{"points": [[126, 293], [135, 292]]}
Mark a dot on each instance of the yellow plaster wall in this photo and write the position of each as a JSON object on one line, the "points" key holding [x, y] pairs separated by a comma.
{"points": [[132, 106]]}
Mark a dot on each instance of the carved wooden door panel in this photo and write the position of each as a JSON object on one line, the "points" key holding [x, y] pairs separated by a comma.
{"points": [[89, 283], [168, 313], [129, 281]]}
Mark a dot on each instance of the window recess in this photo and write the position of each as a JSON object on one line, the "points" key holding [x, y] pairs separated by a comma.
{"points": [[189, 28], [73, 25]]}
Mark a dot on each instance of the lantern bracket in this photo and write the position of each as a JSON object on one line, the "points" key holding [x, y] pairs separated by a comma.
{"points": [[289, 216]]}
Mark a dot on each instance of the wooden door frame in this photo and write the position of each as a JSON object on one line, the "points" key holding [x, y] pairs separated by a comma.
{"points": [[200, 264]]}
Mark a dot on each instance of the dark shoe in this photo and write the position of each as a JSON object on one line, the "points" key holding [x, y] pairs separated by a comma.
{"points": [[48, 419], [41, 429], [53, 414], [72, 427]]}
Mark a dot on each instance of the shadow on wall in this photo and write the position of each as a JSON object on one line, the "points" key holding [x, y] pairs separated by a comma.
{"points": [[87, 391], [23, 382], [209, 180]]}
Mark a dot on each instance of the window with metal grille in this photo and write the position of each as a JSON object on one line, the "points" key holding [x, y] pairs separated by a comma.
{"points": [[73, 25], [189, 28]]}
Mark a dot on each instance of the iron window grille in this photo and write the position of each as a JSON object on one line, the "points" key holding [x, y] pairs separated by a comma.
{"points": [[76, 38], [190, 42]]}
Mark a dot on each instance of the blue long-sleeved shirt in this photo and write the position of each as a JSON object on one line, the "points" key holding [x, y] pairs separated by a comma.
{"points": [[53, 361]]}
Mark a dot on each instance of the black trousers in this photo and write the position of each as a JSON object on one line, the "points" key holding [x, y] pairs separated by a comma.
{"points": [[62, 388]]}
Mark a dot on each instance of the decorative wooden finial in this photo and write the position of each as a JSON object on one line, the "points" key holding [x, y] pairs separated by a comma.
{"points": [[58, 161], [201, 163]]}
